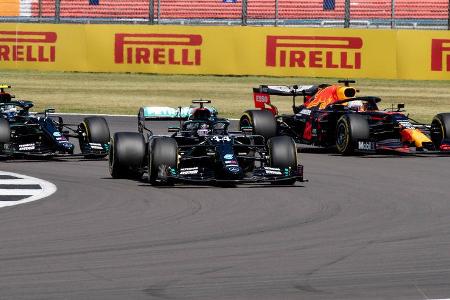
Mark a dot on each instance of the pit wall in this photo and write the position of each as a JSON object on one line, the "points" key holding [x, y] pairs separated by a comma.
{"points": [[276, 51]]}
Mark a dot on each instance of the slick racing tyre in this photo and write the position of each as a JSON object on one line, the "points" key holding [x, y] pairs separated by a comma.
{"points": [[126, 155], [96, 130], [262, 121], [5, 134], [349, 129], [283, 154], [440, 129], [162, 154]]}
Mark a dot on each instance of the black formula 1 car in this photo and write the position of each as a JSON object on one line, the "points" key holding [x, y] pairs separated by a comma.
{"points": [[39, 135], [201, 150], [332, 116]]}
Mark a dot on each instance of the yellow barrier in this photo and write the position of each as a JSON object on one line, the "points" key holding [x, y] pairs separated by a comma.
{"points": [[404, 54]]}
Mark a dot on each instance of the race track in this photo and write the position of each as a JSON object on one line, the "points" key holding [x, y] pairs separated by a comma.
{"points": [[366, 227]]}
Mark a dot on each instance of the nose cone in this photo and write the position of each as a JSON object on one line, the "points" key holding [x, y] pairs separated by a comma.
{"points": [[233, 172], [68, 146]]}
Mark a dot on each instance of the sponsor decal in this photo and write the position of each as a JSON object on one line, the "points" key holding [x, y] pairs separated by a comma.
{"points": [[231, 162], [272, 171], [158, 49], [27, 46], [234, 169], [325, 52], [24, 147], [406, 124], [189, 171], [364, 145], [305, 112], [440, 53], [261, 98], [228, 156], [96, 146]]}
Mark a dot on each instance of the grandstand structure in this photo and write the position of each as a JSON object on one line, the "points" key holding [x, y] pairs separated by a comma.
{"points": [[430, 14]]}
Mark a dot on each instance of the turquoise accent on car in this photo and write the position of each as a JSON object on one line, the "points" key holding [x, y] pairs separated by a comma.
{"points": [[170, 112]]}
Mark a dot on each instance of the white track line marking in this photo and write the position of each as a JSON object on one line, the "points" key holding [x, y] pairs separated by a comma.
{"points": [[47, 188]]}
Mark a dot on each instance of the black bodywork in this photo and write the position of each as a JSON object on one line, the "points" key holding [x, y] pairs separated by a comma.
{"points": [[208, 152], [41, 135]]}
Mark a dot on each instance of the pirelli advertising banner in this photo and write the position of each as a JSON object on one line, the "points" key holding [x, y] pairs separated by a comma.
{"points": [[352, 53]]}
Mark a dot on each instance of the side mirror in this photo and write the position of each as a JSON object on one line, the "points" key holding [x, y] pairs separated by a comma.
{"points": [[400, 106], [173, 129]]}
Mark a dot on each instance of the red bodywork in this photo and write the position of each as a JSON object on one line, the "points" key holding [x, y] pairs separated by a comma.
{"points": [[262, 101]]}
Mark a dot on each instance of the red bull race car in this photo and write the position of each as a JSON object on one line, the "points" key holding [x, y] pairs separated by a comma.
{"points": [[333, 116]]}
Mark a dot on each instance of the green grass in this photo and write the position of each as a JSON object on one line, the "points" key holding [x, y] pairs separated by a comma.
{"points": [[120, 93]]}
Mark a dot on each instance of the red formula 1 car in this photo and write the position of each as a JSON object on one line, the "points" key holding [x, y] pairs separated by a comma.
{"points": [[332, 116]]}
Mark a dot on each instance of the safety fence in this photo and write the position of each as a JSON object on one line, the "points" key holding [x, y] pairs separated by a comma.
{"points": [[428, 14]]}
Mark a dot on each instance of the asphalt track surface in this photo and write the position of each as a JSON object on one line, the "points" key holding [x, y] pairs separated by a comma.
{"points": [[367, 227]]}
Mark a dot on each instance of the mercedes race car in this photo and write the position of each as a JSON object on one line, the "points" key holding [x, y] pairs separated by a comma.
{"points": [[39, 135], [333, 116], [201, 150]]}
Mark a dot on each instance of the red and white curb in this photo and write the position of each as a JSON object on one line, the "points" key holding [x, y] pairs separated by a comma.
{"points": [[18, 189]]}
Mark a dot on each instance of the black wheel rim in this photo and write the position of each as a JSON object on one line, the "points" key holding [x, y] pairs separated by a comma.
{"points": [[341, 137], [437, 134]]}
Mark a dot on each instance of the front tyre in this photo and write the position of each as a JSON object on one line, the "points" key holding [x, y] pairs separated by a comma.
{"points": [[162, 155], [262, 121], [440, 129], [5, 134], [126, 155], [349, 129], [283, 154], [95, 130]]}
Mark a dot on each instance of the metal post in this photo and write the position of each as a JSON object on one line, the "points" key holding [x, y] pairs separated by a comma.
{"points": [[276, 12], [393, 13], [151, 12], [244, 12], [347, 14], [57, 10], [39, 10], [448, 22], [159, 11]]}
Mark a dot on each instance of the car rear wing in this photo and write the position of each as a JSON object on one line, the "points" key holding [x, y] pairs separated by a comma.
{"points": [[164, 113], [287, 90], [261, 94]]}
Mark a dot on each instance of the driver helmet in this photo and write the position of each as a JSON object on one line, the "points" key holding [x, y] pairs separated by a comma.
{"points": [[357, 105]]}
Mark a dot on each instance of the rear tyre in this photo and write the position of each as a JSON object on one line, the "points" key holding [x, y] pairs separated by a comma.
{"points": [[5, 134], [262, 121], [162, 154], [127, 155], [96, 130], [440, 129], [349, 129], [283, 154]]}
